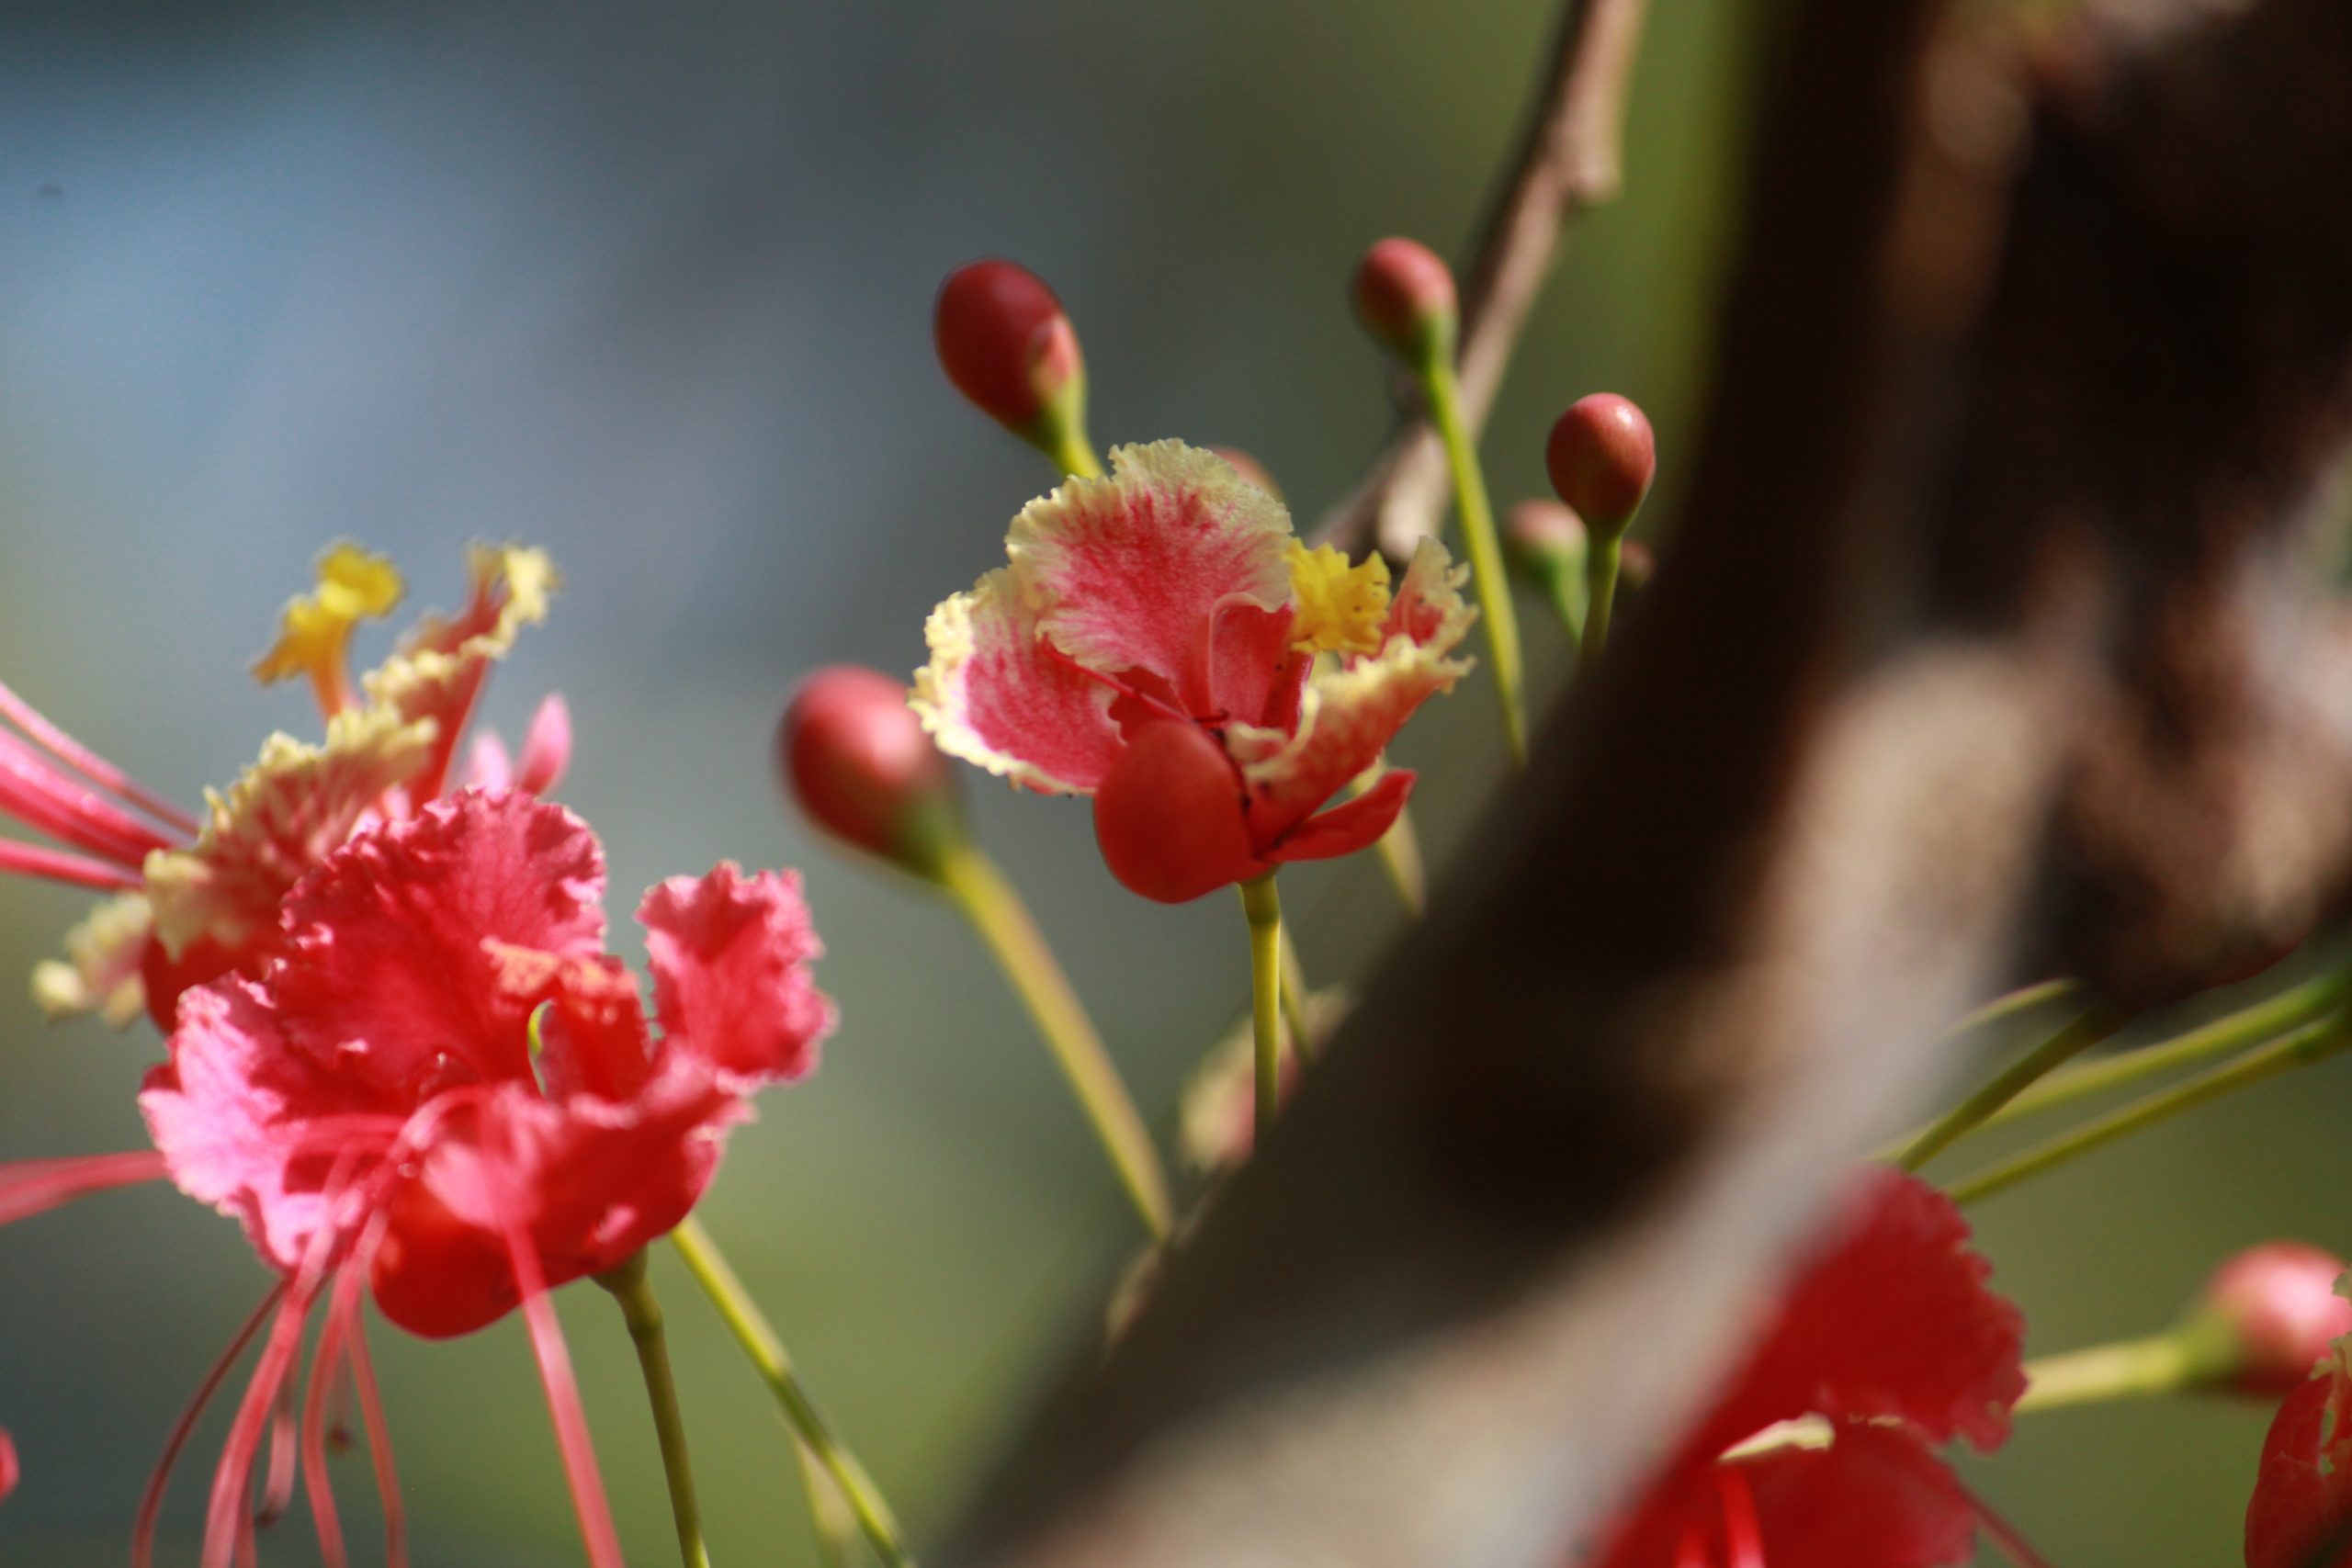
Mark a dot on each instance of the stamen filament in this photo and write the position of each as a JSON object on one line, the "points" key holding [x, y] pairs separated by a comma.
{"points": [[150, 1498], [343, 1302], [36, 794], [36, 1186], [88, 763], [580, 1471], [1261, 903], [979, 889], [58, 865], [752, 1331], [633, 1289], [379, 1446]]}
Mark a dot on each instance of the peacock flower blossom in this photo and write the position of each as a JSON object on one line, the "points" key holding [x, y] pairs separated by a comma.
{"points": [[444, 1092], [1820, 1453], [197, 896], [1162, 641]]}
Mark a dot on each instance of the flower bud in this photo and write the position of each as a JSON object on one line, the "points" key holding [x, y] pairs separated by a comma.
{"points": [[856, 760], [1004, 342], [1545, 540], [2279, 1305], [1404, 297], [7, 1464], [1601, 456], [1251, 471]]}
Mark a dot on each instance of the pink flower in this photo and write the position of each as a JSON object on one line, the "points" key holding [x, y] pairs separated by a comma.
{"points": [[1154, 644], [7, 1464], [444, 1090], [1819, 1452], [198, 899]]}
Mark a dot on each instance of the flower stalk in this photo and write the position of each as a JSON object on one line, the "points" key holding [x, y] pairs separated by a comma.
{"points": [[2312, 1043], [2087, 1029], [631, 1286], [753, 1332], [980, 892], [2196, 1353], [1262, 904], [1442, 391]]}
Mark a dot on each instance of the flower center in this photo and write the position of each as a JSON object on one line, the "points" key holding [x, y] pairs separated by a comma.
{"points": [[1341, 607]]}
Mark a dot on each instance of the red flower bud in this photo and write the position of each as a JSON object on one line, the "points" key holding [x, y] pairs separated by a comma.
{"points": [[1603, 456], [7, 1464], [1004, 342], [2280, 1304], [859, 764], [1404, 297]]}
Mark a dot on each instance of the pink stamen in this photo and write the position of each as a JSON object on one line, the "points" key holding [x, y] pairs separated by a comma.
{"points": [[89, 764], [35, 1186], [151, 1501], [324, 1364], [57, 866], [228, 1524], [36, 794], [380, 1446], [563, 1403], [1743, 1537], [547, 747], [277, 1484]]}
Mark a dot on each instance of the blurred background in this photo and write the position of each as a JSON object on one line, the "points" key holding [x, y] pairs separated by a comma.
{"points": [[651, 285]]}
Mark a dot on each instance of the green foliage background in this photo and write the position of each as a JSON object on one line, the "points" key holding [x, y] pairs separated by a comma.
{"points": [[651, 285]]}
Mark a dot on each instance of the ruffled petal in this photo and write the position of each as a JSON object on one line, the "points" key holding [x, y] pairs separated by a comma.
{"points": [[251, 1125], [440, 668], [997, 697], [1892, 1321], [2303, 1493], [731, 957], [275, 824], [1348, 716], [100, 970], [1130, 571], [395, 962]]}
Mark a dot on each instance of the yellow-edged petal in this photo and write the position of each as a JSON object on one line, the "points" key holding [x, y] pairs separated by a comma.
{"points": [[100, 970]]}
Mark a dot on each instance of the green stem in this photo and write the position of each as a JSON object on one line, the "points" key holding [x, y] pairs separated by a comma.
{"points": [[1067, 445], [1444, 395], [2085, 1032], [1263, 905], [751, 1330], [2190, 1355], [632, 1287], [1294, 999], [2010, 1004], [1601, 555], [2247, 1026], [988, 900], [2314, 1042]]}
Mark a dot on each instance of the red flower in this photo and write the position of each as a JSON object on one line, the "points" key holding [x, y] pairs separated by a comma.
{"points": [[444, 1090], [199, 899], [7, 1464], [2301, 1514], [1820, 1453], [1153, 643]]}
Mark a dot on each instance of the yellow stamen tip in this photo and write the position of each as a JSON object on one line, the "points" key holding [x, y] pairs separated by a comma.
{"points": [[315, 628], [1342, 607]]}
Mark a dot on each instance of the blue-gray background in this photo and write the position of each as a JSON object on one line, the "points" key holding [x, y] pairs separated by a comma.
{"points": [[651, 285]]}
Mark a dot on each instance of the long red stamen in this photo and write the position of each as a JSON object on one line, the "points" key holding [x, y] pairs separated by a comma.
{"points": [[88, 763], [563, 1403], [35, 1186], [325, 1363], [227, 1521], [277, 1483], [380, 1446], [151, 1501], [58, 865], [36, 794], [1743, 1537], [2003, 1535]]}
